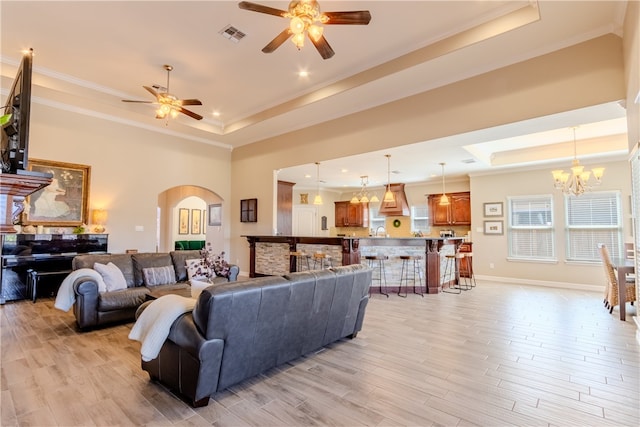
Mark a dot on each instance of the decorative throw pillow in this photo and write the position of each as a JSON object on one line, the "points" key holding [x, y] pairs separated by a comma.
{"points": [[113, 278], [154, 276], [196, 270]]}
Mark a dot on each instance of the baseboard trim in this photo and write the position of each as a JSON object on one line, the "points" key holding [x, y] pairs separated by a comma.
{"points": [[543, 283]]}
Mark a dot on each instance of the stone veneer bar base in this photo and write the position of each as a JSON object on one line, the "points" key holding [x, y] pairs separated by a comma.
{"points": [[269, 255]]}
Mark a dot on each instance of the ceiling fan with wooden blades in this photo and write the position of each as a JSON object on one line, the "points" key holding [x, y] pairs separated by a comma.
{"points": [[168, 105], [306, 18]]}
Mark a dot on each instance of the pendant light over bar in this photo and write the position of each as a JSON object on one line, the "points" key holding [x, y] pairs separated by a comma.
{"points": [[317, 200], [444, 200], [388, 195]]}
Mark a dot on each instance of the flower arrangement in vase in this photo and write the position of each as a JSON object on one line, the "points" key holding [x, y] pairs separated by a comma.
{"points": [[210, 265]]}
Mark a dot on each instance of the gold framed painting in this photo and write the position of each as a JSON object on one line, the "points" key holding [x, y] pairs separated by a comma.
{"points": [[64, 202], [195, 221], [183, 221]]}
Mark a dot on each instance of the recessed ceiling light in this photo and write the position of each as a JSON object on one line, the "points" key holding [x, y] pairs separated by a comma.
{"points": [[307, 176], [216, 113], [344, 170], [303, 73]]}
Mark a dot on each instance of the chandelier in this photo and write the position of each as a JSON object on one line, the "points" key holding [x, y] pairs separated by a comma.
{"points": [[363, 195], [577, 181], [444, 200], [317, 200]]}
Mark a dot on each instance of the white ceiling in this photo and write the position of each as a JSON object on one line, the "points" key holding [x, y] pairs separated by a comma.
{"points": [[92, 54]]}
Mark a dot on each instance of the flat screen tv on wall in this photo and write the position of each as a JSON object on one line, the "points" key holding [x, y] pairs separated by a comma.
{"points": [[15, 120]]}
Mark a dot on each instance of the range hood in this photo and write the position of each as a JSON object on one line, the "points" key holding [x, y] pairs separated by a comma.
{"points": [[399, 207]]}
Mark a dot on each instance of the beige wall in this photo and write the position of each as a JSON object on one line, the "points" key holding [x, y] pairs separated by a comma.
{"points": [[494, 249], [541, 86], [130, 167], [631, 46]]}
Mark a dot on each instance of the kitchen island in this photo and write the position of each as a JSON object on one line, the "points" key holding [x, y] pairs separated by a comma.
{"points": [[270, 255]]}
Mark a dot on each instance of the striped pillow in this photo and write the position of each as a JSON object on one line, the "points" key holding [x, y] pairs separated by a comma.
{"points": [[154, 276]]}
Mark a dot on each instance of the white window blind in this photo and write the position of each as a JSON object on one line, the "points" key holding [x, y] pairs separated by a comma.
{"points": [[420, 219], [530, 228], [593, 218]]}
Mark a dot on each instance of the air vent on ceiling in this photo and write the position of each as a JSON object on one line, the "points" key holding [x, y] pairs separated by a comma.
{"points": [[467, 161], [232, 33]]}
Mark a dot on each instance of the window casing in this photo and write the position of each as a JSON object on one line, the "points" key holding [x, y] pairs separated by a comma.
{"points": [[375, 220], [420, 219], [530, 228], [591, 219]]}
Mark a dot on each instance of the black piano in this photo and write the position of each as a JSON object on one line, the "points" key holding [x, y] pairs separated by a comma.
{"points": [[42, 253]]}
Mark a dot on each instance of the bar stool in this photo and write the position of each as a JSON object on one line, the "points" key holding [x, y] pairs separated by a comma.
{"points": [[469, 263], [322, 258], [299, 259], [377, 263], [453, 266], [404, 274]]}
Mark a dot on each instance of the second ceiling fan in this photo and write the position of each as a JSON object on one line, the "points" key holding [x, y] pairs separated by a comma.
{"points": [[169, 105], [306, 19]]}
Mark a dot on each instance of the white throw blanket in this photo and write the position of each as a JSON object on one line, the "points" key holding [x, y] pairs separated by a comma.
{"points": [[153, 326], [66, 296]]}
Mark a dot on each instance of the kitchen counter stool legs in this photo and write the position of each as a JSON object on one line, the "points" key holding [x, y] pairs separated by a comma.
{"points": [[377, 263], [452, 267], [404, 274]]}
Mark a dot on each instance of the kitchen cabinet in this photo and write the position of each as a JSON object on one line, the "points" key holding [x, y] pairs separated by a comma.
{"points": [[352, 214], [458, 212]]}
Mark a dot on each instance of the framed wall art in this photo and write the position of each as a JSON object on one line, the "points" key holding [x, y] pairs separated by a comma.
{"points": [[493, 209], [493, 227], [196, 227], [183, 221], [215, 214], [64, 202], [249, 210]]}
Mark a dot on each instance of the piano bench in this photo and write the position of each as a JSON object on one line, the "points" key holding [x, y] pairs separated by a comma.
{"points": [[34, 276]]}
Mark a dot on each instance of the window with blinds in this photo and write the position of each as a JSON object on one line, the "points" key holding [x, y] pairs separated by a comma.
{"points": [[593, 218], [530, 228]]}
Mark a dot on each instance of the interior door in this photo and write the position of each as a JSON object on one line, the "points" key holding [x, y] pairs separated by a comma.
{"points": [[305, 221]]}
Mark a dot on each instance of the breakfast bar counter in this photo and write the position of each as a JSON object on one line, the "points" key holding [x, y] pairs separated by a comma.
{"points": [[271, 255]]}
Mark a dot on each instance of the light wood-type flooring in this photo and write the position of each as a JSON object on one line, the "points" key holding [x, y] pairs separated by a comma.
{"points": [[496, 355]]}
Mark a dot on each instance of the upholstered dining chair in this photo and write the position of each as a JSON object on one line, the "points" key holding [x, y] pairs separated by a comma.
{"points": [[611, 288]]}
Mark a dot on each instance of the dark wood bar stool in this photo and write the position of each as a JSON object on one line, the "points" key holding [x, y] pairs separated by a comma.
{"points": [[415, 268], [377, 263]]}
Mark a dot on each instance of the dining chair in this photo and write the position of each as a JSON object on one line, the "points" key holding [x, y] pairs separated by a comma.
{"points": [[611, 297]]}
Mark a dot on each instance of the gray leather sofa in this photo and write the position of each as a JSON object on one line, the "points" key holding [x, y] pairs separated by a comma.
{"points": [[238, 330], [94, 309]]}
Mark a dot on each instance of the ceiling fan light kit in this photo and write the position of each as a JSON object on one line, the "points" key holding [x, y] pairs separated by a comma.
{"points": [[306, 19], [169, 105]]}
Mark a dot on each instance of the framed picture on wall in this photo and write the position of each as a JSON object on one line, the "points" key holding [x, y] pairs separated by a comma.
{"points": [[183, 221], [249, 210], [195, 221], [215, 214], [64, 202], [493, 227], [493, 209]]}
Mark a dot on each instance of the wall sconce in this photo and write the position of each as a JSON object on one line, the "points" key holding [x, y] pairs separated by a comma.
{"points": [[99, 219]]}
